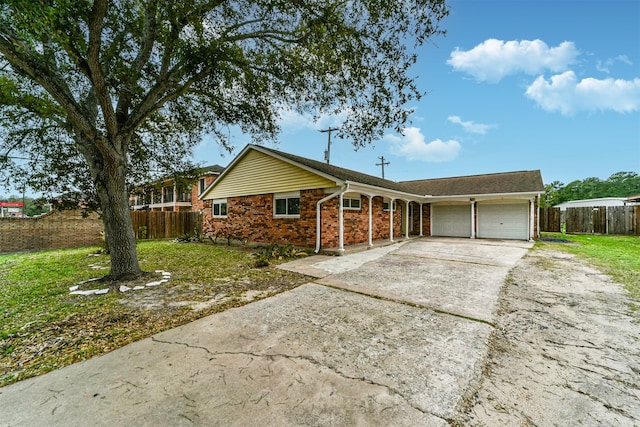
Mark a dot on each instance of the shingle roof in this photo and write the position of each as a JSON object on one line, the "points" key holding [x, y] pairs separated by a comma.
{"points": [[496, 183], [338, 172], [215, 169]]}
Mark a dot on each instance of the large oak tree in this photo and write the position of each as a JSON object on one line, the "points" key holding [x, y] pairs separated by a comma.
{"points": [[94, 92]]}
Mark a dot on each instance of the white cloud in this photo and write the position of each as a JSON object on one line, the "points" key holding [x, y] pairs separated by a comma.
{"points": [[470, 126], [292, 120], [413, 146], [565, 94], [493, 59], [604, 65]]}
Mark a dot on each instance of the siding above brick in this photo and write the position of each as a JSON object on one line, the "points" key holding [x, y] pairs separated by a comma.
{"points": [[258, 173]]}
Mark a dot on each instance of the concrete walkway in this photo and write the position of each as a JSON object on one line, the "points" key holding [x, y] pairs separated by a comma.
{"points": [[390, 336]]}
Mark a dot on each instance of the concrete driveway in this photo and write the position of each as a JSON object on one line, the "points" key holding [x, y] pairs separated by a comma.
{"points": [[390, 336]]}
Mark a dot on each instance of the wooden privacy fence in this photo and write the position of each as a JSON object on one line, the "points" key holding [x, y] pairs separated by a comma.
{"points": [[592, 220], [162, 225]]}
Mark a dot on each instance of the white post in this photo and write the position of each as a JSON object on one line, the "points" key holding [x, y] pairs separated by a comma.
{"points": [[370, 220], [341, 224], [391, 219], [407, 220], [421, 220], [531, 219], [473, 222]]}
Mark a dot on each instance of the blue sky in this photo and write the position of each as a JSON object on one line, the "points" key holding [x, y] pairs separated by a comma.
{"points": [[514, 85]]}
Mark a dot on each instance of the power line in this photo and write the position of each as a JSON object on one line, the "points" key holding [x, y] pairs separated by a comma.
{"points": [[382, 163], [327, 152]]}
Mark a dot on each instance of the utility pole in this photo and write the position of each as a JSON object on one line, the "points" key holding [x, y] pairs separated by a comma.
{"points": [[382, 163], [327, 152]]}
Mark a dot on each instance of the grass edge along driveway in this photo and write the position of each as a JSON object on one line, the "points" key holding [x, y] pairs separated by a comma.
{"points": [[617, 256], [43, 327]]}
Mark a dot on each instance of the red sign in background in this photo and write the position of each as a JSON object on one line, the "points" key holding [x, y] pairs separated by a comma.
{"points": [[12, 204]]}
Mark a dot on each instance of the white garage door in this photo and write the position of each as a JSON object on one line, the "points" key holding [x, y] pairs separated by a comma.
{"points": [[503, 221], [451, 220]]}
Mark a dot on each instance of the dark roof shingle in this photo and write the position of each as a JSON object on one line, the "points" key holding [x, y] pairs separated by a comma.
{"points": [[495, 183], [340, 173]]}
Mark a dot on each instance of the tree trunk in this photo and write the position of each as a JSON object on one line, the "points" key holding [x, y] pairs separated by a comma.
{"points": [[109, 175], [114, 202]]}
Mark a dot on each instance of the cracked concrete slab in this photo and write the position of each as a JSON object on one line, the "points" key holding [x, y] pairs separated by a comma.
{"points": [[458, 276], [315, 355]]}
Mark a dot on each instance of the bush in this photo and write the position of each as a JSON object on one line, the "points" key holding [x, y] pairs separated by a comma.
{"points": [[275, 252]]}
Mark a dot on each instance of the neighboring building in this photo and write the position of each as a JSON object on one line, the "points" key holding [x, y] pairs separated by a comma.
{"points": [[169, 195], [267, 196], [592, 203], [633, 200]]}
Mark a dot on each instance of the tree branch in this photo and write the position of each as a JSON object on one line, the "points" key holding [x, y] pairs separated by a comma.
{"points": [[37, 70], [98, 13]]}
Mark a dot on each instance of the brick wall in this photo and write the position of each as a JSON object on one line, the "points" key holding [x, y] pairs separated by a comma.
{"points": [[198, 205], [251, 218], [66, 229]]}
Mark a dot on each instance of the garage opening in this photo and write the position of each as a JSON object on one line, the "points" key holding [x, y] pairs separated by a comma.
{"points": [[451, 220], [503, 221]]}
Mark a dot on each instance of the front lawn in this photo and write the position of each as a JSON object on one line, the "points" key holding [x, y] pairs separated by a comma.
{"points": [[44, 327], [618, 256]]}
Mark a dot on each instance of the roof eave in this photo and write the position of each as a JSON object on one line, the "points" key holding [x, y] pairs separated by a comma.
{"points": [[519, 194], [375, 190]]}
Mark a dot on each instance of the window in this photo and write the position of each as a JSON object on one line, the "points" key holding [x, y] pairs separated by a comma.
{"points": [[286, 204], [352, 204], [202, 185], [385, 206], [219, 208]]}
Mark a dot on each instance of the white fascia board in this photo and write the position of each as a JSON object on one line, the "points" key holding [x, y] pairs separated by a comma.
{"points": [[384, 192], [489, 196]]}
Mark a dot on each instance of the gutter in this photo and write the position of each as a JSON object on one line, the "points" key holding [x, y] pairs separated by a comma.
{"points": [[338, 193]]}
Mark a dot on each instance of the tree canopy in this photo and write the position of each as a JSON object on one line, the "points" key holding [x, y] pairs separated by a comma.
{"points": [[95, 94], [620, 184]]}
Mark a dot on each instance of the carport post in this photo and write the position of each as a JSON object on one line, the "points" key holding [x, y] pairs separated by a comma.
{"points": [[341, 224], [473, 222], [532, 215], [391, 200], [421, 219], [370, 220], [406, 222]]}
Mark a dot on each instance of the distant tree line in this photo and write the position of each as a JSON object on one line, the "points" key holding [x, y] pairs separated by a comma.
{"points": [[620, 184]]}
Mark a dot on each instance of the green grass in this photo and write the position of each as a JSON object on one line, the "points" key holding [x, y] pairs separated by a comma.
{"points": [[43, 327], [618, 256]]}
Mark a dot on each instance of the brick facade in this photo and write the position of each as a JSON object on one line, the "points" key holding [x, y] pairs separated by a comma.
{"points": [[198, 205], [66, 229], [251, 218]]}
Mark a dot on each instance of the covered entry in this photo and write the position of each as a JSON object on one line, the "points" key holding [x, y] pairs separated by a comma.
{"points": [[451, 220], [503, 220]]}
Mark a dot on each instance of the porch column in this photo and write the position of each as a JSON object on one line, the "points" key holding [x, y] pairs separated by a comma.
{"points": [[175, 195], [391, 219], [532, 215], [473, 219], [341, 224], [370, 220], [421, 219], [406, 222]]}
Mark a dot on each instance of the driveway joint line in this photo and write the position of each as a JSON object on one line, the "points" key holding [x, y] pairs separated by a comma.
{"points": [[392, 391], [408, 303]]}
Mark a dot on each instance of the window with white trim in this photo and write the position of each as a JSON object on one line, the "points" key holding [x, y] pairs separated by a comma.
{"points": [[385, 206], [219, 208], [203, 185], [351, 204], [286, 205]]}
